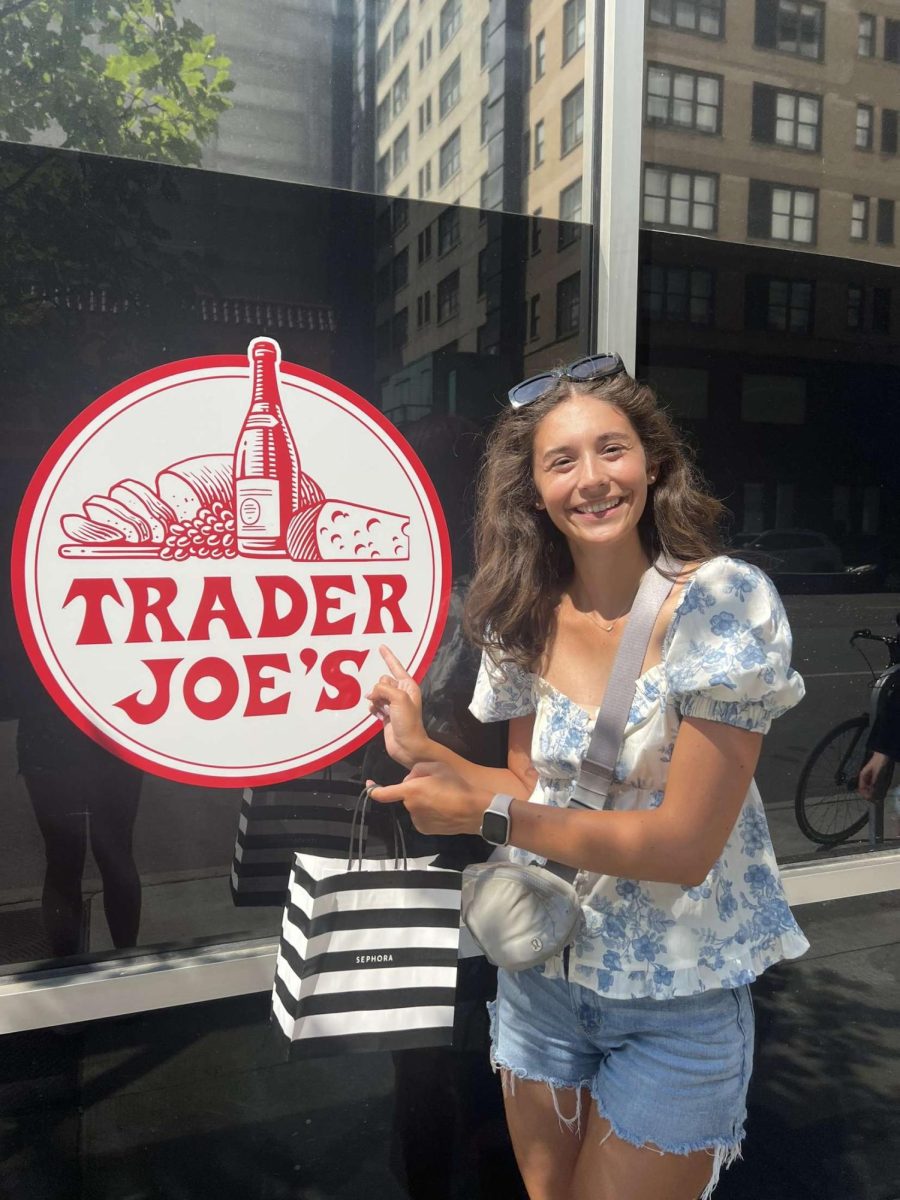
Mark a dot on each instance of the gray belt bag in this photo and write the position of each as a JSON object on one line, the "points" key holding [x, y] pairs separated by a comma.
{"points": [[522, 915]]}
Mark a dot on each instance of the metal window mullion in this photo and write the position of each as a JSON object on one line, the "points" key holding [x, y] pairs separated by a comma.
{"points": [[616, 184]]}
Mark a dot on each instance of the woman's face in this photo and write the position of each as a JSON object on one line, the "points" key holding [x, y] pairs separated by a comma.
{"points": [[590, 471]]}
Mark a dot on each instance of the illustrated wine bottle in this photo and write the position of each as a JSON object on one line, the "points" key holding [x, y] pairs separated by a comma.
{"points": [[266, 463]]}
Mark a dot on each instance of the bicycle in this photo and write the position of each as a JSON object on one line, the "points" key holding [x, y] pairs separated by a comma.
{"points": [[827, 803]]}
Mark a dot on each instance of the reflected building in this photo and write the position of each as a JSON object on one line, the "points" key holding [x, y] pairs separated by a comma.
{"points": [[769, 284]]}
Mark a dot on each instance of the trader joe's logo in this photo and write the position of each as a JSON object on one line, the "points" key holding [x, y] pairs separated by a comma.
{"points": [[208, 558]]}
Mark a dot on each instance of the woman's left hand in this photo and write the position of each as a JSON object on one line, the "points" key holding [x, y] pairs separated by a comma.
{"points": [[437, 799]]}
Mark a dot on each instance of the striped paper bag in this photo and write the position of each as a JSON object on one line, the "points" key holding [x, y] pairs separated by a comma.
{"points": [[368, 956], [276, 822]]}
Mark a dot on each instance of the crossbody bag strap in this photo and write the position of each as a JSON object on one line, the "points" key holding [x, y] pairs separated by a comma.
{"points": [[599, 763]]}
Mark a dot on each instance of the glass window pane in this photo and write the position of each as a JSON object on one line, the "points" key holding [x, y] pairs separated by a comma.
{"points": [[680, 185]]}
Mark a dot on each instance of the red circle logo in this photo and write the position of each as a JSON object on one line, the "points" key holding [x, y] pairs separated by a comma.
{"points": [[208, 558]]}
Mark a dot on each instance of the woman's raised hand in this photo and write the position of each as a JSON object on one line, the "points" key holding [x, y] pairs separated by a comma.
{"points": [[397, 700]]}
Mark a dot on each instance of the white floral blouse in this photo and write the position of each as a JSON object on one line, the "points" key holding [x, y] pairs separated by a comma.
{"points": [[726, 657]]}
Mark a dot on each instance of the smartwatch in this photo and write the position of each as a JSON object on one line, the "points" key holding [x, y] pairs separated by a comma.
{"points": [[495, 822]]}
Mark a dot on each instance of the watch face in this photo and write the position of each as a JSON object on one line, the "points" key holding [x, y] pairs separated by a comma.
{"points": [[494, 828]]}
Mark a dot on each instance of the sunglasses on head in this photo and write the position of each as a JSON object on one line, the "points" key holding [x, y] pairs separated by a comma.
{"points": [[583, 370]]}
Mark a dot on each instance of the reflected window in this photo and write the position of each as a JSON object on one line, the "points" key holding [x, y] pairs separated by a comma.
{"points": [[573, 28], [526, 152], [679, 199], [676, 294], [859, 219], [773, 399], [891, 40], [401, 149], [382, 60], [540, 55], [450, 21], [424, 243], [855, 305], [780, 305], [423, 309], [573, 119], [425, 114], [884, 223], [865, 38], [383, 172], [889, 131], [483, 119], [539, 143], [535, 240], [534, 317], [482, 271], [693, 16], [881, 310], [569, 214], [425, 179], [383, 116], [400, 328], [450, 158], [781, 212], [448, 229], [864, 123], [568, 305], [484, 42], [381, 10], [400, 270], [425, 50], [786, 118], [401, 27], [682, 98], [400, 91], [448, 90], [791, 26], [448, 296], [399, 214]]}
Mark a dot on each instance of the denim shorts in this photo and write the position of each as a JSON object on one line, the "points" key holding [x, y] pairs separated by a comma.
{"points": [[671, 1074]]}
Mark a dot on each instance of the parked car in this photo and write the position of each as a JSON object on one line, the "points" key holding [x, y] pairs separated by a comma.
{"points": [[791, 551]]}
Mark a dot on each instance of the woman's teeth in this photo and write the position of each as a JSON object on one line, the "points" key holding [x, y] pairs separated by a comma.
{"points": [[597, 508]]}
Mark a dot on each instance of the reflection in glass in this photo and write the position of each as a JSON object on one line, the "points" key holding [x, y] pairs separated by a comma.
{"points": [[768, 323]]}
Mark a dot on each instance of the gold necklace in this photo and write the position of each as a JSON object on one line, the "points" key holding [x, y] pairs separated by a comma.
{"points": [[610, 628]]}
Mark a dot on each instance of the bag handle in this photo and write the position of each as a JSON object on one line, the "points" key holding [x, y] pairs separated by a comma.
{"points": [[358, 833], [599, 764]]}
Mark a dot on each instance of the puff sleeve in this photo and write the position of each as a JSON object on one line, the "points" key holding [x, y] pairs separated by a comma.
{"points": [[502, 690], [730, 650]]}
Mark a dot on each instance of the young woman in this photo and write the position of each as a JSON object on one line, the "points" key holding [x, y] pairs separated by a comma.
{"points": [[625, 1061]]}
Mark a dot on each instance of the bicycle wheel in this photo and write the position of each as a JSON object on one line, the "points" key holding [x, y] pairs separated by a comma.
{"points": [[828, 805]]}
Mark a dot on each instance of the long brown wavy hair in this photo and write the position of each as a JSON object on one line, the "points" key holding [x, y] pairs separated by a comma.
{"points": [[522, 559]]}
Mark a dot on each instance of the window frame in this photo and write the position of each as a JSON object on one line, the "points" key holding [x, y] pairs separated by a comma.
{"points": [[579, 25], [696, 76], [699, 6], [693, 175], [564, 148]]}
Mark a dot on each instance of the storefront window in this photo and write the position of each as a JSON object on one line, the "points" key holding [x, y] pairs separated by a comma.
{"points": [[770, 285]]}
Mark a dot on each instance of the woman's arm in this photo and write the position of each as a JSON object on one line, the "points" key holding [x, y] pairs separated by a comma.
{"points": [[712, 768]]}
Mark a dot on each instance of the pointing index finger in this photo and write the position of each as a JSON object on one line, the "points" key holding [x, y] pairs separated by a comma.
{"points": [[395, 666]]}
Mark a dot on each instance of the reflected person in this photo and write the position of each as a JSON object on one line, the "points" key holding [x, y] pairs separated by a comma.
{"points": [[80, 792], [625, 1060], [882, 748]]}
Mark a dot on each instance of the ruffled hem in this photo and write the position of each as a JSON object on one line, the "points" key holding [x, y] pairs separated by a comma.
{"points": [[640, 981]]}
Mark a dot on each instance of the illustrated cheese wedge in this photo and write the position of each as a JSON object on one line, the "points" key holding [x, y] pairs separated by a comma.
{"points": [[78, 528], [197, 483], [105, 511], [143, 501], [336, 530]]}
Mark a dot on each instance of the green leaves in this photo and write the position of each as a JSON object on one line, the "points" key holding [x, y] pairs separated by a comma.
{"points": [[121, 77]]}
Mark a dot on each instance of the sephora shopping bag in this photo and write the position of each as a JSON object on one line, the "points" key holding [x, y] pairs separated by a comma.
{"points": [[368, 954], [276, 822]]}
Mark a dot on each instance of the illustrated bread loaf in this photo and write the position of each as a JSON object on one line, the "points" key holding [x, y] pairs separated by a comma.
{"points": [[197, 483], [106, 511], [77, 527], [337, 530], [143, 501], [310, 492]]}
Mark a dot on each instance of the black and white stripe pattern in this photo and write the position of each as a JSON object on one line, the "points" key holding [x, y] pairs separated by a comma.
{"points": [[276, 822], [368, 958]]}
